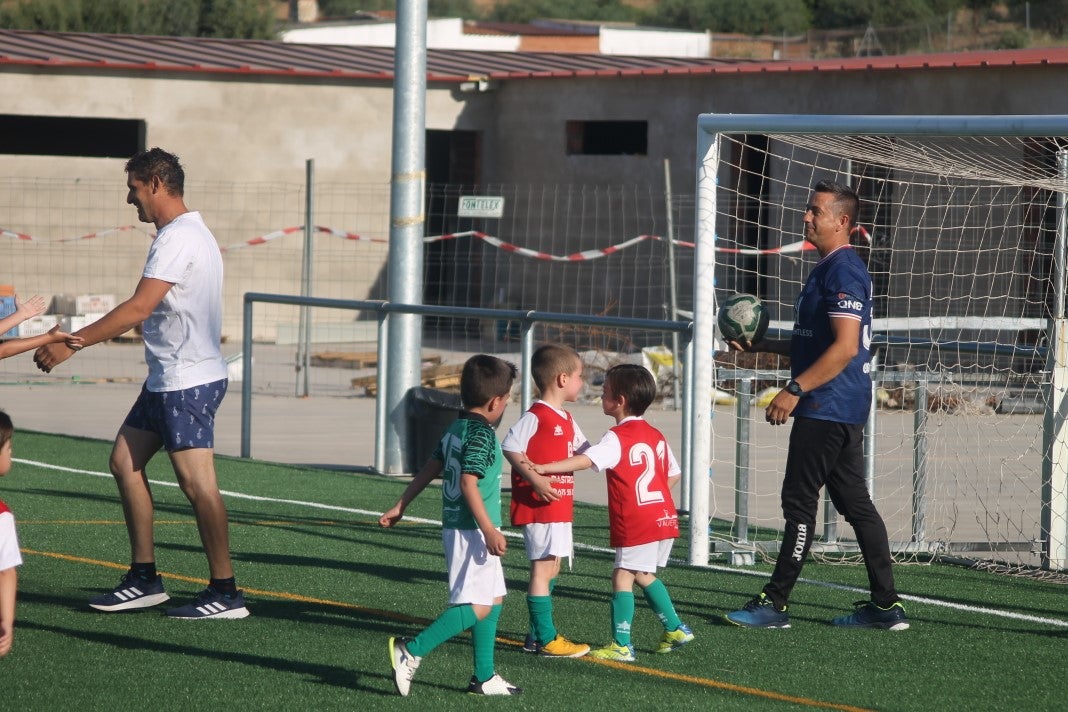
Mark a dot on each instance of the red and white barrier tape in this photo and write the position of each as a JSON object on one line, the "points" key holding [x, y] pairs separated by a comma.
{"points": [[90, 236], [299, 228], [584, 255]]}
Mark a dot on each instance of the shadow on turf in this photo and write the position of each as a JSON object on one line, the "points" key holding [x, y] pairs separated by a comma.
{"points": [[332, 675], [325, 674]]}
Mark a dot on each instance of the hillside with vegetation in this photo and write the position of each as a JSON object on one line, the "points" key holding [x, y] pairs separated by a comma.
{"points": [[838, 27]]}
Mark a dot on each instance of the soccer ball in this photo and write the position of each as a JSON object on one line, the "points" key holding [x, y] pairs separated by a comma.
{"points": [[742, 318]]}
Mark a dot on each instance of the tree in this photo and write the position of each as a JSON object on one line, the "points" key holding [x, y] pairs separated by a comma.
{"points": [[753, 17], [248, 19], [837, 14], [1048, 15], [527, 10], [434, 8]]}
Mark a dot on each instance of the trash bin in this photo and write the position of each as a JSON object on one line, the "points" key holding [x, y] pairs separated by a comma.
{"points": [[430, 411]]}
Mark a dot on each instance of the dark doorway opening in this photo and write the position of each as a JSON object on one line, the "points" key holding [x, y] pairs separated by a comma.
{"points": [[452, 268]]}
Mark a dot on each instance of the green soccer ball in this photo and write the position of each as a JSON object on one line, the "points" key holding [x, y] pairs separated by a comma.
{"points": [[742, 318]]}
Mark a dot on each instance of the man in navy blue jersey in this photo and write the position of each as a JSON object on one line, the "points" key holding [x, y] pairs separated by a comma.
{"points": [[829, 396]]}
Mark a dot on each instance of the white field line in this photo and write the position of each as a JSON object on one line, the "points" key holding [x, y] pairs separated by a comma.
{"points": [[587, 547]]}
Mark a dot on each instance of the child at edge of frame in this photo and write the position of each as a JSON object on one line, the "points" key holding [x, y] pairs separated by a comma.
{"points": [[543, 505], [640, 470], [10, 557], [469, 460]]}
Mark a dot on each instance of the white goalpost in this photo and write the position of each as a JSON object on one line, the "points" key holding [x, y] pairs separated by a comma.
{"points": [[963, 228]]}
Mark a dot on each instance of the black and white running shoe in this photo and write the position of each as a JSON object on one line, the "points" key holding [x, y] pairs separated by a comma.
{"points": [[133, 592], [210, 603]]}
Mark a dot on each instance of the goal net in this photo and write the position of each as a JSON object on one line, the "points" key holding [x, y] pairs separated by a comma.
{"points": [[962, 228]]}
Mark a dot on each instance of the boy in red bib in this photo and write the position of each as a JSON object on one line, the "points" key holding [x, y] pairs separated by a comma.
{"points": [[543, 505], [10, 557], [641, 470]]}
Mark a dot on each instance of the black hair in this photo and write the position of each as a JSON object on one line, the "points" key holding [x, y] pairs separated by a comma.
{"points": [[157, 162], [7, 428], [484, 378], [634, 383], [845, 199]]}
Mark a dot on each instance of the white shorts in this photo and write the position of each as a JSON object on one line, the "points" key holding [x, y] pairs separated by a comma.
{"points": [[644, 558], [475, 575], [545, 540]]}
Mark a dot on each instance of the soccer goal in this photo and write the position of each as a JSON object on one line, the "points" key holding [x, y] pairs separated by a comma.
{"points": [[962, 225]]}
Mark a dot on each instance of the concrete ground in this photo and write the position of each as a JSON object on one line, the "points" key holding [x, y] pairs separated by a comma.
{"points": [[324, 431], [982, 471]]}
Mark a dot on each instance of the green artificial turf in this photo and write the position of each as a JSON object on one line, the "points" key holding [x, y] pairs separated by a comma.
{"points": [[327, 587]]}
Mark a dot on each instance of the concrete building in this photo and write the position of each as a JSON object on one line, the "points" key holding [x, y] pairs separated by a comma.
{"points": [[252, 112]]}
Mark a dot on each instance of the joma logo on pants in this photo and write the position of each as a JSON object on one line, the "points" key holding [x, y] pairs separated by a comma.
{"points": [[799, 543]]}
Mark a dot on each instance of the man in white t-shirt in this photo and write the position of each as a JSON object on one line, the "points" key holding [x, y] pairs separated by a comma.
{"points": [[178, 302]]}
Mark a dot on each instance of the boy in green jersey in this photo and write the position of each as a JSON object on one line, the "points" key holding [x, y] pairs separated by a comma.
{"points": [[469, 461]]}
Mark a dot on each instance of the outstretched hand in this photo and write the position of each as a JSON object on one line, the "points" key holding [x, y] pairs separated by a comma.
{"points": [[745, 345], [49, 356], [32, 307]]}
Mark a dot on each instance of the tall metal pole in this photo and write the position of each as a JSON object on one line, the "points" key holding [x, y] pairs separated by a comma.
{"points": [[673, 287], [703, 345], [304, 327], [407, 184], [1053, 523]]}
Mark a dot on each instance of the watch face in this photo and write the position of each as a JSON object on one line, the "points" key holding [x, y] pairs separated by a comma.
{"points": [[794, 388]]}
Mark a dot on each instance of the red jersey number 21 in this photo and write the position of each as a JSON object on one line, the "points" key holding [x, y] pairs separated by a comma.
{"points": [[641, 455]]}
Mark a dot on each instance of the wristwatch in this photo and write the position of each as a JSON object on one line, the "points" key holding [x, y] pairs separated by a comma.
{"points": [[794, 388]]}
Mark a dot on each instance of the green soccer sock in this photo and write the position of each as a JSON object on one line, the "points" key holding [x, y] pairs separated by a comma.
{"points": [[453, 621], [541, 618], [533, 632], [483, 641], [622, 616], [656, 594]]}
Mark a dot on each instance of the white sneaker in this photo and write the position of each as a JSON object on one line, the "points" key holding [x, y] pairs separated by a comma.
{"points": [[496, 685], [404, 665]]}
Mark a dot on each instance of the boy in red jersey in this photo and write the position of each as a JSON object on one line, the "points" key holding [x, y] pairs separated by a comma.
{"points": [[641, 470], [544, 505], [9, 546]]}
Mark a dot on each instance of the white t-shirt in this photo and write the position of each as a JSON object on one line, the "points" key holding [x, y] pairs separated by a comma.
{"points": [[183, 334], [9, 542]]}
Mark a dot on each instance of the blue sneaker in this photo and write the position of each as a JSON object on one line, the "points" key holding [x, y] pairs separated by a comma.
{"points": [[210, 603], [869, 615], [531, 644], [760, 613], [132, 592]]}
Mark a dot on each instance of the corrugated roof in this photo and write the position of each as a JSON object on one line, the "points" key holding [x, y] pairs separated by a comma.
{"points": [[261, 57]]}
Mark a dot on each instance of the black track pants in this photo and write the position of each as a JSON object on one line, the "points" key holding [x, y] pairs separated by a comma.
{"points": [[824, 453]]}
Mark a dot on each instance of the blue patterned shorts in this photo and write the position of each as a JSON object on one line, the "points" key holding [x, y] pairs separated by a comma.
{"points": [[183, 419]]}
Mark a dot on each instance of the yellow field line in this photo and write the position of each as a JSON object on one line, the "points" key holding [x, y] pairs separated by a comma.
{"points": [[719, 685], [628, 667]]}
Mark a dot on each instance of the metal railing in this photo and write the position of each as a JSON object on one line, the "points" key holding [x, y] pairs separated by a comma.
{"points": [[526, 320]]}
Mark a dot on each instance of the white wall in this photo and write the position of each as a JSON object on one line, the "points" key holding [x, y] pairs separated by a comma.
{"points": [[654, 43], [445, 33]]}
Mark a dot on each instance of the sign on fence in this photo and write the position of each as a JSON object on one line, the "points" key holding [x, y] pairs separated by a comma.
{"points": [[480, 206]]}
